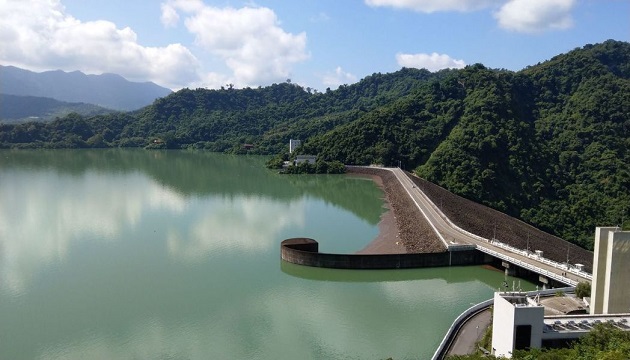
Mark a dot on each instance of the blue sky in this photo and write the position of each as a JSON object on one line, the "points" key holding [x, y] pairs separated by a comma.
{"points": [[315, 43]]}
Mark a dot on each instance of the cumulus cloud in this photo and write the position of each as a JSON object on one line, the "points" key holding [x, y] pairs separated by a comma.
{"points": [[532, 16], [40, 35], [248, 40], [431, 62], [429, 6], [527, 16], [338, 77]]}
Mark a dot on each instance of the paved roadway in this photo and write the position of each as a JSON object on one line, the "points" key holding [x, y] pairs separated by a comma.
{"points": [[453, 236], [470, 333]]}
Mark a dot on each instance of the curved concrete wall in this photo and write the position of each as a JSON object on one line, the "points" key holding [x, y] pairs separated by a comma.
{"points": [[305, 251]]}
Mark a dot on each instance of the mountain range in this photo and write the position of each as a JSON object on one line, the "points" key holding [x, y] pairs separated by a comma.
{"points": [[16, 109], [107, 90], [548, 144]]}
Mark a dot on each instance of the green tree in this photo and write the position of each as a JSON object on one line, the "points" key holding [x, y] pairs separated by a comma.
{"points": [[583, 289]]}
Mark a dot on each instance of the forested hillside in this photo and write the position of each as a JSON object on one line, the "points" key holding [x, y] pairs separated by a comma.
{"points": [[548, 144], [14, 108]]}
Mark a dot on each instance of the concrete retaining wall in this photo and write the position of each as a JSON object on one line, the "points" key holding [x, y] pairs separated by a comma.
{"points": [[304, 251]]}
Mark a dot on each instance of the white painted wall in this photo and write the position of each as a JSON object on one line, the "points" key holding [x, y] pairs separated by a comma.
{"points": [[599, 270], [506, 316], [610, 289], [617, 289]]}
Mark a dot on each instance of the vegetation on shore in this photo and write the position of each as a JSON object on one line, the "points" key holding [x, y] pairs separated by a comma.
{"points": [[605, 341], [19, 109], [287, 165], [548, 144]]}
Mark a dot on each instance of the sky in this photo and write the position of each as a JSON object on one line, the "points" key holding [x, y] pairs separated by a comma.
{"points": [[317, 44]]}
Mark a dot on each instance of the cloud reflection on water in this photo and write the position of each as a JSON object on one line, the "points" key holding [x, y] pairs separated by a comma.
{"points": [[323, 322], [43, 215], [241, 223]]}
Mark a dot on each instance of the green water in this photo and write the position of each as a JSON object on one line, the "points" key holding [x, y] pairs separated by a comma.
{"points": [[133, 254]]}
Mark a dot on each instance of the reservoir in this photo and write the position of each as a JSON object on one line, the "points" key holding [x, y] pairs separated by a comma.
{"points": [[134, 254]]}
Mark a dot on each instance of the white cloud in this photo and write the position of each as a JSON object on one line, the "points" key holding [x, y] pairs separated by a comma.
{"points": [[527, 16], [169, 17], [40, 35], [533, 16], [248, 40], [431, 62], [429, 6], [338, 77]]}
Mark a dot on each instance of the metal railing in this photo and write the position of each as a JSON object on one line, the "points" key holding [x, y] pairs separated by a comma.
{"points": [[533, 256], [528, 266]]}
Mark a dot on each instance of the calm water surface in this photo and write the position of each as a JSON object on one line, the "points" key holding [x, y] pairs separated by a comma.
{"points": [[133, 254]]}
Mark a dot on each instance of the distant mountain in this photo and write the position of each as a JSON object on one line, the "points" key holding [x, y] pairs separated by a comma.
{"points": [[15, 109], [106, 90]]}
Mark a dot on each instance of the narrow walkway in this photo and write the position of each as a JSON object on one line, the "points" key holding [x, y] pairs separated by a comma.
{"points": [[470, 333]]}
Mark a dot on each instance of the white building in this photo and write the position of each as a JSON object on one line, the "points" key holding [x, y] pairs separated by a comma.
{"points": [[610, 290], [517, 323], [294, 144]]}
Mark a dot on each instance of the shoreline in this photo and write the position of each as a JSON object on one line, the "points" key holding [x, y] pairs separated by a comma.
{"points": [[387, 241], [402, 229]]}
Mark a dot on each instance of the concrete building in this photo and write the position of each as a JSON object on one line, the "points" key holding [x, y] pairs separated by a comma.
{"points": [[294, 144], [517, 324], [610, 289], [521, 322]]}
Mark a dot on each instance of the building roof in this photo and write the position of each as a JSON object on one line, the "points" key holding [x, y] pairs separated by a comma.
{"points": [[563, 305]]}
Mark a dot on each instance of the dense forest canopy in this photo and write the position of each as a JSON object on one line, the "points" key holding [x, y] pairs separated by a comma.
{"points": [[548, 144], [16, 109]]}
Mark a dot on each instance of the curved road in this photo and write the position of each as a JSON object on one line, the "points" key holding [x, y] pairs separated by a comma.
{"points": [[452, 236], [471, 333]]}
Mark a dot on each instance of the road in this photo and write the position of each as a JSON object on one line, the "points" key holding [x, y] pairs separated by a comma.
{"points": [[470, 333], [452, 236]]}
